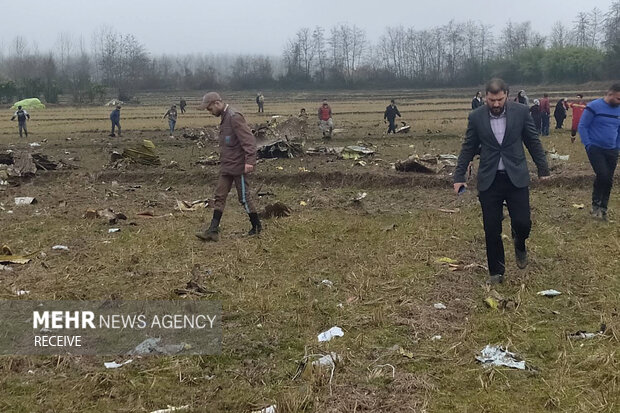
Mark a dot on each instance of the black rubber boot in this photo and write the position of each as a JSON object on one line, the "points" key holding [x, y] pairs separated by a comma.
{"points": [[212, 233], [256, 225]]}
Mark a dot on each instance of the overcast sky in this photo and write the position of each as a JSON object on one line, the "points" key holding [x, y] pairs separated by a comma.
{"points": [[259, 27]]}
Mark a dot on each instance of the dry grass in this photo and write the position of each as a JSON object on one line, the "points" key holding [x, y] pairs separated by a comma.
{"points": [[273, 299]]}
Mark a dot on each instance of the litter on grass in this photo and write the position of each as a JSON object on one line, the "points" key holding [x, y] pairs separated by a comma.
{"points": [[549, 293], [115, 365], [331, 333], [499, 356]]}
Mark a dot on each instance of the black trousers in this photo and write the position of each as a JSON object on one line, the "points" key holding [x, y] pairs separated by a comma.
{"points": [[392, 125], [604, 163], [492, 202]]}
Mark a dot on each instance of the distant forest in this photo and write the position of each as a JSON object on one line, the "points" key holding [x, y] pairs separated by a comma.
{"points": [[343, 57]]}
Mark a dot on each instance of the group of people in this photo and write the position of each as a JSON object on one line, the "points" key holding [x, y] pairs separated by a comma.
{"points": [[498, 130]]}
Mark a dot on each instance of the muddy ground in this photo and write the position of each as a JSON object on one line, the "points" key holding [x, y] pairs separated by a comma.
{"points": [[380, 253]]}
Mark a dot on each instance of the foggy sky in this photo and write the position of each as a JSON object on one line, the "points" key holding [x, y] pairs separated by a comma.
{"points": [[255, 26]]}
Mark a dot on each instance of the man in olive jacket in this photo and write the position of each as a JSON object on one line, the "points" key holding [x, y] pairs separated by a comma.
{"points": [[499, 130], [237, 159]]}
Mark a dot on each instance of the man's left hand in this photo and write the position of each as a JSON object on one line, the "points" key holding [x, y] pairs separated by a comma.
{"points": [[248, 168]]}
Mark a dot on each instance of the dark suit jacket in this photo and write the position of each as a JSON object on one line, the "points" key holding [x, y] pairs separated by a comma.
{"points": [[520, 129]]}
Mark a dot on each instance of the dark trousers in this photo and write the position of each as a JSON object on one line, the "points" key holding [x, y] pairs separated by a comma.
{"points": [[492, 202], [182, 109], [224, 185], [118, 126], [392, 125], [604, 163], [22, 126], [559, 121], [545, 124], [260, 107]]}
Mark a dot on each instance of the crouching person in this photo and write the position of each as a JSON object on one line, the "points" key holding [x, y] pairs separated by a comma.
{"points": [[237, 160]]}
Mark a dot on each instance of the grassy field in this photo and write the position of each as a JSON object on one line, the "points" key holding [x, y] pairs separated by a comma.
{"points": [[380, 254]]}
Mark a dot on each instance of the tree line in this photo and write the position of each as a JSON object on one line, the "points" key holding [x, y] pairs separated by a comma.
{"points": [[454, 54]]}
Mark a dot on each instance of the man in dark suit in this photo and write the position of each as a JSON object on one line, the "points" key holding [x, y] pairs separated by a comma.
{"points": [[499, 130]]}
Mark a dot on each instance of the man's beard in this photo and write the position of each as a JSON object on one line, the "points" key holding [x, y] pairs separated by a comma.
{"points": [[497, 111]]}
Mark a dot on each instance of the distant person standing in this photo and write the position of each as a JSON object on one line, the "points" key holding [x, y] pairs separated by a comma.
{"points": [[578, 107], [599, 129], [182, 104], [260, 101], [535, 112], [499, 132], [22, 116], [115, 118], [172, 118], [326, 123], [522, 98], [476, 101], [237, 160], [390, 114], [560, 113], [545, 114]]}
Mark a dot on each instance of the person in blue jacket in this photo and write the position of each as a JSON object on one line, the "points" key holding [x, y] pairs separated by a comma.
{"points": [[599, 129], [115, 117]]}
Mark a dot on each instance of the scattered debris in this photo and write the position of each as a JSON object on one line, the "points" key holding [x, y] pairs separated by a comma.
{"points": [[108, 214], [439, 306], [143, 154], [5, 268], [496, 301], [171, 409], [152, 346], [13, 259], [210, 160], [25, 200], [6, 158], [192, 206], [23, 165], [277, 210], [60, 248], [328, 360], [21, 292], [269, 409], [113, 230], [280, 149], [428, 164], [549, 293], [579, 206], [404, 129], [331, 333], [553, 154], [355, 152], [115, 365], [324, 150], [327, 283], [499, 356], [390, 227], [303, 203], [450, 211], [445, 260], [583, 335], [359, 196], [192, 287], [405, 353], [435, 338], [35, 145]]}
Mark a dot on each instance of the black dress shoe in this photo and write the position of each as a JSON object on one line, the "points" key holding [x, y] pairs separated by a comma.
{"points": [[495, 279]]}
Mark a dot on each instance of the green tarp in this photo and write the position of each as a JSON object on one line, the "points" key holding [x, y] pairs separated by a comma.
{"points": [[31, 103]]}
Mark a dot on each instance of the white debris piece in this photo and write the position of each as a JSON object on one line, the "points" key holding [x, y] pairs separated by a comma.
{"points": [[111, 230], [439, 306], [269, 409], [60, 248], [331, 333], [499, 356], [327, 283], [171, 409], [549, 293], [115, 365], [328, 360]]}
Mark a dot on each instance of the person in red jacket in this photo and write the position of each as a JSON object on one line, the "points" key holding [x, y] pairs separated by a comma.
{"points": [[325, 119], [578, 107]]}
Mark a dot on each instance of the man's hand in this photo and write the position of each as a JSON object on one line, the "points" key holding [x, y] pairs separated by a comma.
{"points": [[248, 168], [458, 185]]}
